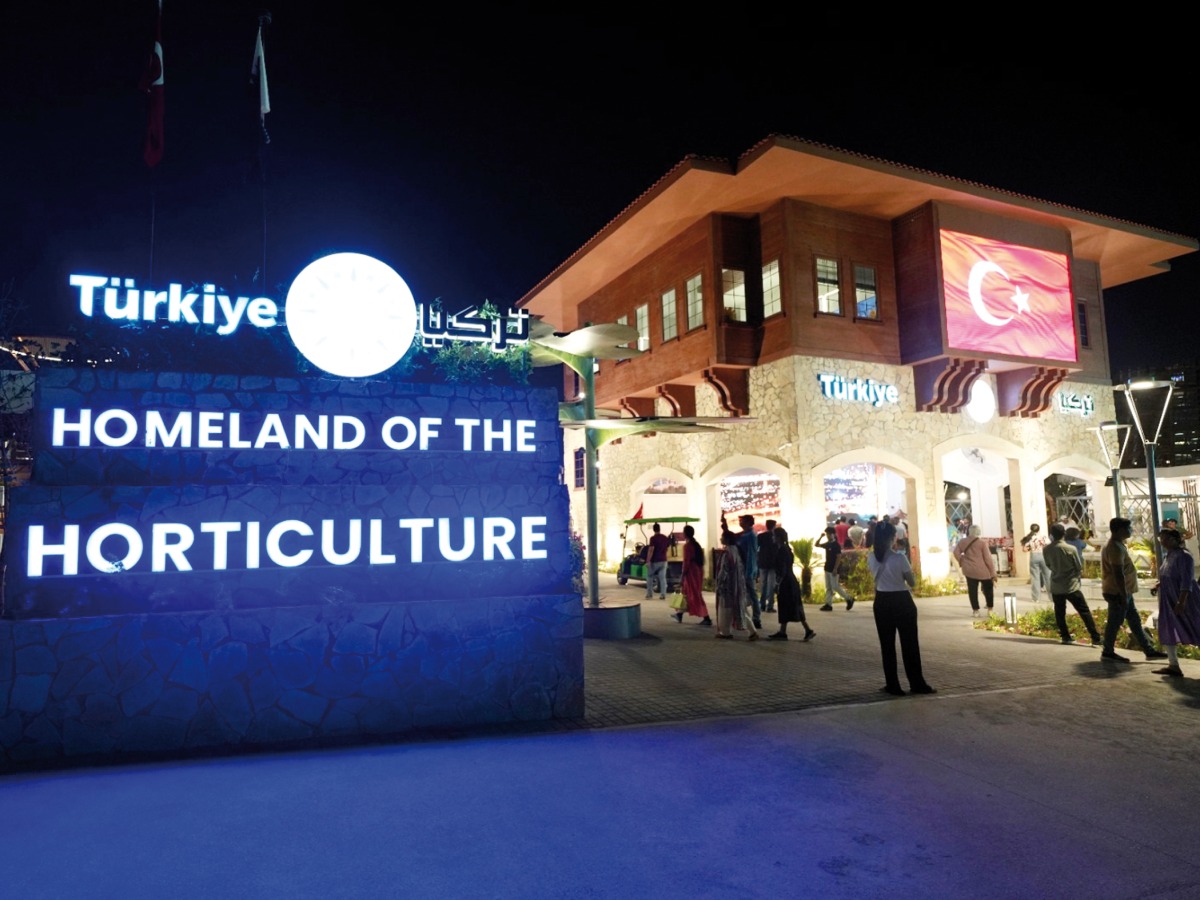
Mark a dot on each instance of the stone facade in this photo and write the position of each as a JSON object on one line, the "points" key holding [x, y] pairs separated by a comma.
{"points": [[108, 686], [801, 435]]}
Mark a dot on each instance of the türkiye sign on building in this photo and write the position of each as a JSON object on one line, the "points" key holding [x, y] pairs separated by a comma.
{"points": [[169, 491]]}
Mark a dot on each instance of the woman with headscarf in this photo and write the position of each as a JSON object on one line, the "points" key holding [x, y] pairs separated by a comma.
{"points": [[788, 596], [730, 579], [895, 612], [1178, 603]]}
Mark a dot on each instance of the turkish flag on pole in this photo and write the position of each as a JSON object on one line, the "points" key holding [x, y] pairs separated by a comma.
{"points": [[152, 84], [258, 76], [638, 514], [1007, 299]]}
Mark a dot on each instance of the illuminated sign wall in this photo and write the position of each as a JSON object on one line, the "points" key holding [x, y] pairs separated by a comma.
{"points": [[1007, 300], [168, 492]]}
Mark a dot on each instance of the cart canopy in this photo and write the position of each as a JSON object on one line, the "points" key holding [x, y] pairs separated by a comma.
{"points": [[648, 520]]}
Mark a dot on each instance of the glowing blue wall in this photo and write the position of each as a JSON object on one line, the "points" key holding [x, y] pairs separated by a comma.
{"points": [[239, 655]]}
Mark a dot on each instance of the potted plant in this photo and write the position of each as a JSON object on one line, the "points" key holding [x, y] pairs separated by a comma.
{"points": [[803, 549]]}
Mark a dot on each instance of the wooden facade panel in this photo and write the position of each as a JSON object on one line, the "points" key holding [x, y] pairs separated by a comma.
{"points": [[918, 285], [813, 232], [1093, 359]]}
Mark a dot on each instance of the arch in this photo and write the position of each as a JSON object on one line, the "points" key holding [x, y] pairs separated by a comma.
{"points": [[981, 440], [887, 458], [653, 474], [723, 467], [1073, 463], [718, 471]]}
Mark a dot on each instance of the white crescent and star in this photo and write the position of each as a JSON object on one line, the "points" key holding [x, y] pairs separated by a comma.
{"points": [[975, 292]]}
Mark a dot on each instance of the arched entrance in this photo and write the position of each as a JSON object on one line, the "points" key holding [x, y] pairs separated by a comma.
{"points": [[744, 485]]}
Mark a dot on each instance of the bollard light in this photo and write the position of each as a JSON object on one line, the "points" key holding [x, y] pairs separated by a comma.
{"points": [[1010, 608]]}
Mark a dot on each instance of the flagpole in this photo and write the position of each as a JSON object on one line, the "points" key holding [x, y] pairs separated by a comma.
{"points": [[264, 20], [153, 211]]}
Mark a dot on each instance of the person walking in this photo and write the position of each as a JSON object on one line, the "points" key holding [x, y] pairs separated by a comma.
{"points": [[767, 579], [1178, 603], [730, 580], [975, 560], [896, 613], [692, 583], [656, 563], [841, 528], [833, 585], [1034, 544], [748, 546], [1118, 584], [791, 599], [1066, 568]]}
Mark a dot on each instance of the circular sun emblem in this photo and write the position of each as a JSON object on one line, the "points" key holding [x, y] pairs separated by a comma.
{"points": [[351, 315]]}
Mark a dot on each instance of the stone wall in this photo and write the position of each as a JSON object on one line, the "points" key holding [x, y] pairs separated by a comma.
{"points": [[226, 644], [799, 431], [110, 686]]}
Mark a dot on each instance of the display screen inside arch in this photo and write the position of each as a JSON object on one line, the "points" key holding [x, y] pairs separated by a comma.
{"points": [[1006, 299]]}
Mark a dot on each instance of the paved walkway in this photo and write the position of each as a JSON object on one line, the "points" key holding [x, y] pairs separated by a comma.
{"points": [[742, 770]]}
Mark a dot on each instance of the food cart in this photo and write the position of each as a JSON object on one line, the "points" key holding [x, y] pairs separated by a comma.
{"points": [[633, 565]]}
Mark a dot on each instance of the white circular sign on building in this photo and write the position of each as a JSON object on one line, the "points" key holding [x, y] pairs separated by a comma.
{"points": [[982, 405], [351, 315]]}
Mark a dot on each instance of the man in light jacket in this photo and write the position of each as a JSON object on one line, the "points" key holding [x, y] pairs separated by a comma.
{"points": [[1118, 584], [1066, 568]]}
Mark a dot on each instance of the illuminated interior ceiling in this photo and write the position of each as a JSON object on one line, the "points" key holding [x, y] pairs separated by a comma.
{"points": [[780, 167]]}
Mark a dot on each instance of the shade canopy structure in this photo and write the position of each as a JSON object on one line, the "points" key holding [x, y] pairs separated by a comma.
{"points": [[650, 520]]}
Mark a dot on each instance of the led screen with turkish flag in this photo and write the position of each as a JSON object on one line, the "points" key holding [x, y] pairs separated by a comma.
{"points": [[1006, 299]]}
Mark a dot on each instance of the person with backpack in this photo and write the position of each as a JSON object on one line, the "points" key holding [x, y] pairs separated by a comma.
{"points": [[692, 578]]}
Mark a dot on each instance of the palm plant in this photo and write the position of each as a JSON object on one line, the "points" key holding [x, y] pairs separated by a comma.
{"points": [[803, 549]]}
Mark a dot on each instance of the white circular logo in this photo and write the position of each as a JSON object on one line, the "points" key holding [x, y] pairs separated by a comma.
{"points": [[982, 405], [351, 315]]}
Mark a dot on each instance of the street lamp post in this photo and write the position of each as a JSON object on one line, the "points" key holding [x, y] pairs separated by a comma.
{"points": [[1149, 389], [1114, 438]]}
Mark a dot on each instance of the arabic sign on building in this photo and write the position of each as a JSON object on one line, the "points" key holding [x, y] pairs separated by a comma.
{"points": [[1073, 403]]}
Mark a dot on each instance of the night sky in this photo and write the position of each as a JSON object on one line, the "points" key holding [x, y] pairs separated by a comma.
{"points": [[475, 156]]}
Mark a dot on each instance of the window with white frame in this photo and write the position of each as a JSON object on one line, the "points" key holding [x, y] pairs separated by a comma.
{"points": [[695, 302], [623, 320], [829, 296], [642, 316], [866, 303], [772, 295], [670, 315], [580, 473], [733, 293]]}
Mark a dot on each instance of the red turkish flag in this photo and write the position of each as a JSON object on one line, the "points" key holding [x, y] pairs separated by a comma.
{"points": [[638, 514], [152, 84], [1006, 299]]}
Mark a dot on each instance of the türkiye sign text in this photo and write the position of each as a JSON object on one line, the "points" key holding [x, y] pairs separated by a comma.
{"points": [[159, 491], [348, 314]]}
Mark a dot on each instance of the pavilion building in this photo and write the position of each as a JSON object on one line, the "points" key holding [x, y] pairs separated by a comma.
{"points": [[904, 342]]}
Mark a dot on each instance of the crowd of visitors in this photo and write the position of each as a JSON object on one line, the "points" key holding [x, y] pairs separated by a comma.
{"points": [[755, 573]]}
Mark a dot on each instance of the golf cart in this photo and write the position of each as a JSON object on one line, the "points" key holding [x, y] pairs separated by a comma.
{"points": [[633, 565]]}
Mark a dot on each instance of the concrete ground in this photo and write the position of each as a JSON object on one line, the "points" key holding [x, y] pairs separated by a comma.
{"points": [[703, 769]]}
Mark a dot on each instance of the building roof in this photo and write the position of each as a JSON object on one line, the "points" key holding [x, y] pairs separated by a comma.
{"points": [[781, 166]]}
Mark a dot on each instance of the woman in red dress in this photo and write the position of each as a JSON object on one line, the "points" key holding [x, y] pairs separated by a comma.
{"points": [[693, 577]]}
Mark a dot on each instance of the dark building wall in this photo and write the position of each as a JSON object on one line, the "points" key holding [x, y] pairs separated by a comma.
{"points": [[1179, 442]]}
